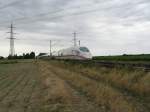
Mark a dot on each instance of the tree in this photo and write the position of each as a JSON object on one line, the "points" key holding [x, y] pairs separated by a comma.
{"points": [[10, 57], [27, 56], [23, 56], [32, 55], [1, 57]]}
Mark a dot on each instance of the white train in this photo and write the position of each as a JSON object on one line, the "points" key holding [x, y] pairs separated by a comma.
{"points": [[78, 53], [42, 55]]}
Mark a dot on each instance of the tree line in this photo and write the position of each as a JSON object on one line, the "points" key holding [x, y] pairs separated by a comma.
{"points": [[23, 56], [1, 57]]}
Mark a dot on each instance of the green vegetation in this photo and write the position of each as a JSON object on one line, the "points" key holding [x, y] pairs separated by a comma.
{"points": [[1, 57], [23, 56], [8, 61], [142, 57]]}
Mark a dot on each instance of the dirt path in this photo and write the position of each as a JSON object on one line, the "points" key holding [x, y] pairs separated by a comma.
{"points": [[63, 97]]}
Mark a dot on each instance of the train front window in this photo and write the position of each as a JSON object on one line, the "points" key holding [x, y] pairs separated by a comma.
{"points": [[84, 49]]}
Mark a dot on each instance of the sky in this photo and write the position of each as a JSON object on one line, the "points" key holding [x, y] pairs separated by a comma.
{"points": [[106, 27]]}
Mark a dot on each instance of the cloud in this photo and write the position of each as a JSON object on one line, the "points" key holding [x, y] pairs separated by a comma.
{"points": [[105, 26]]}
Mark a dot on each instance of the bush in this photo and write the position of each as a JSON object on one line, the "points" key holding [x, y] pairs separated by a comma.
{"points": [[24, 56]]}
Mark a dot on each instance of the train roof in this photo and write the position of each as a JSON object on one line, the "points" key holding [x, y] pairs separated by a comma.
{"points": [[76, 48]]}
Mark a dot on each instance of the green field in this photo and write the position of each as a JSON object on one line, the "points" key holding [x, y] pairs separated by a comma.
{"points": [[59, 86], [142, 57]]}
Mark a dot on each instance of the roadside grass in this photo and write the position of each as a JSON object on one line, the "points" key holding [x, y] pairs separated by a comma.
{"points": [[103, 94], [122, 78], [134, 81], [142, 86]]}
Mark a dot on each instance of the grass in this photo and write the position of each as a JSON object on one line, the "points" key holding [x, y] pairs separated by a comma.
{"points": [[8, 61], [56, 86], [142, 57], [15, 61], [108, 86], [126, 78]]}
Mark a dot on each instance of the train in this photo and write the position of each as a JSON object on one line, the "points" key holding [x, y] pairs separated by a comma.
{"points": [[71, 53], [76, 53]]}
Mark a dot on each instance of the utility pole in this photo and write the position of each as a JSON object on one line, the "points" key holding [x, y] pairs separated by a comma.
{"points": [[79, 43], [12, 48], [50, 48], [75, 39]]}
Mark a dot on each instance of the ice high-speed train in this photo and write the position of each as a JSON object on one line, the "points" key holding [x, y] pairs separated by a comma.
{"points": [[77, 52]]}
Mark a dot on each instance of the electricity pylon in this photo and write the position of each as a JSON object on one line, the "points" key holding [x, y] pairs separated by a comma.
{"points": [[12, 39]]}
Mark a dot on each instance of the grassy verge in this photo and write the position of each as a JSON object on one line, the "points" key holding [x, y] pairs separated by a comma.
{"points": [[142, 57], [136, 81], [102, 93]]}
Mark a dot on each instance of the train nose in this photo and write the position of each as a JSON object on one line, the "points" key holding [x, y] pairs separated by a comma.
{"points": [[88, 55]]}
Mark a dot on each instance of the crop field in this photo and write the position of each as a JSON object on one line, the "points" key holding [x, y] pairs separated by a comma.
{"points": [[134, 58], [33, 87], [58, 86]]}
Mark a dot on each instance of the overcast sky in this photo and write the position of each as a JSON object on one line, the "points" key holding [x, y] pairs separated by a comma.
{"points": [[106, 27]]}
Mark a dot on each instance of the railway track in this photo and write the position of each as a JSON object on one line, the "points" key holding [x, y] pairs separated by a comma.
{"points": [[108, 64]]}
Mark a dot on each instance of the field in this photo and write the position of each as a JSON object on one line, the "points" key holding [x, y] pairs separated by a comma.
{"points": [[58, 86], [133, 58]]}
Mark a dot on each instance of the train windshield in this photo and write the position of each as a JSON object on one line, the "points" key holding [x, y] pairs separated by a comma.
{"points": [[84, 49]]}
